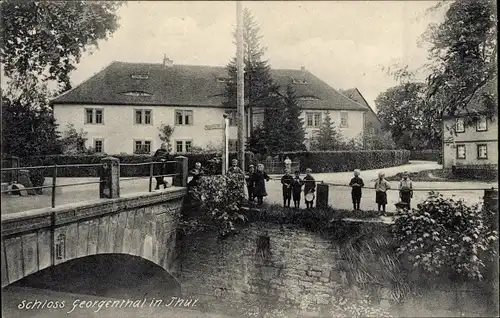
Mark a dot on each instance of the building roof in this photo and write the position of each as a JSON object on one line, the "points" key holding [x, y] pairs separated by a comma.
{"points": [[122, 83], [476, 104], [355, 95]]}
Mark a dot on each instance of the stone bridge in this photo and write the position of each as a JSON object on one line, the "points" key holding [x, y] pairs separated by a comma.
{"points": [[139, 224]]}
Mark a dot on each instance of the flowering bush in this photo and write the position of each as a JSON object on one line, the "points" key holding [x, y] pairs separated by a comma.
{"points": [[445, 236], [221, 198]]}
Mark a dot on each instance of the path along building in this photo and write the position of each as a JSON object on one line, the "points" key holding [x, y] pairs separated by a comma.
{"points": [[121, 107]]}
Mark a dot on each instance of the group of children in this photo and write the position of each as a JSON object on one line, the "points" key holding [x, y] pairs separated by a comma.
{"points": [[292, 186], [381, 187]]}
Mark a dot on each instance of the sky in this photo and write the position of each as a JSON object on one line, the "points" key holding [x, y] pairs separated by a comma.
{"points": [[345, 43]]}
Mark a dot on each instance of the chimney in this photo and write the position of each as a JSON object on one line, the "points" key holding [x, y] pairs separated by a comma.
{"points": [[303, 70], [167, 62]]}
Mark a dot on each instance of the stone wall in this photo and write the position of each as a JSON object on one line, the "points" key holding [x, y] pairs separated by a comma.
{"points": [[302, 267]]}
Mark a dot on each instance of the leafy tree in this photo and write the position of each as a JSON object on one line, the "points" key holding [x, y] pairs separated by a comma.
{"points": [[28, 127], [42, 42], [255, 143], [328, 137], [381, 141], [165, 135], [73, 141], [463, 53], [402, 112], [293, 125], [47, 38]]}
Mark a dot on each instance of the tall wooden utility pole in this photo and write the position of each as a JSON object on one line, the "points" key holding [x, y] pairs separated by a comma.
{"points": [[241, 85]]}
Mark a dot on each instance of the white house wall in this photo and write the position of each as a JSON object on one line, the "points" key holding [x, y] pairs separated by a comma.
{"points": [[470, 138], [119, 129]]}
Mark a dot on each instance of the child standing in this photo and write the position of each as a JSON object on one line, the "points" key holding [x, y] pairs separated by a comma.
{"points": [[287, 181], [406, 190], [297, 189], [381, 187], [309, 188], [234, 168], [356, 184], [259, 179], [250, 183]]}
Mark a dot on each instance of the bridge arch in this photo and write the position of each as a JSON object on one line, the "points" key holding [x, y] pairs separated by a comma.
{"points": [[115, 275], [142, 225]]}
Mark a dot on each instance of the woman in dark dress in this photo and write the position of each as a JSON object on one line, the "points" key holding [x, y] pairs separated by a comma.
{"points": [[259, 180], [159, 168]]}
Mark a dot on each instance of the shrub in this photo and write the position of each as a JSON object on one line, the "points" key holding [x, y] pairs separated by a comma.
{"points": [[221, 198], [335, 161], [445, 236], [206, 160]]}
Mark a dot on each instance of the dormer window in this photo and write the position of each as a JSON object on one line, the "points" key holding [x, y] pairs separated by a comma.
{"points": [[308, 98], [137, 94], [299, 81], [140, 76]]}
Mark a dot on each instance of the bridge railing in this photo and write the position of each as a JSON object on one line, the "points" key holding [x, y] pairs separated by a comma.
{"points": [[109, 172], [159, 172]]}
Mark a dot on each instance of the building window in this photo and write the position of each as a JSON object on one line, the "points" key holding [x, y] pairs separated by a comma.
{"points": [[183, 145], [313, 119], [98, 145], [142, 146], [143, 116], [344, 117], [460, 125], [482, 151], [460, 151], [183, 117], [482, 125], [94, 115], [178, 146]]}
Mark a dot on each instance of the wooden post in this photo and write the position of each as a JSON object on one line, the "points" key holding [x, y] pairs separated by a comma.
{"points": [[322, 193], [181, 177], [13, 175], [240, 86], [225, 145], [54, 180], [109, 188], [491, 199], [151, 172]]}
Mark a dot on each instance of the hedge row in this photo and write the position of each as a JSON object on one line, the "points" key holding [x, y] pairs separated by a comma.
{"points": [[338, 161], [125, 171], [427, 155], [318, 161]]}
